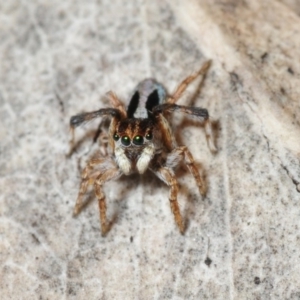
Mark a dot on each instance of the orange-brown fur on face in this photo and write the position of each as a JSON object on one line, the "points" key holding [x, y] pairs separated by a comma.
{"points": [[134, 127], [156, 151], [134, 157]]}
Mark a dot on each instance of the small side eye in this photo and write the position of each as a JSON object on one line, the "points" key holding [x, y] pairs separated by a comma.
{"points": [[138, 140], [116, 137], [149, 136], [125, 140]]}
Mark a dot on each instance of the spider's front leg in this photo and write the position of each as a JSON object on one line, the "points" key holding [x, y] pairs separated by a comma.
{"points": [[167, 175], [109, 174], [77, 120], [86, 179], [107, 170]]}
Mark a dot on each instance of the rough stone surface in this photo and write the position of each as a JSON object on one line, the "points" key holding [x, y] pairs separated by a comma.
{"points": [[58, 58]]}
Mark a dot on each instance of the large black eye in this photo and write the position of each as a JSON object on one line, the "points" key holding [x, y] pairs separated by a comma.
{"points": [[125, 140], [138, 140], [149, 136], [116, 137]]}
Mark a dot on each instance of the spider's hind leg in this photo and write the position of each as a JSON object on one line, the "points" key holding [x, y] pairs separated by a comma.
{"points": [[185, 83]]}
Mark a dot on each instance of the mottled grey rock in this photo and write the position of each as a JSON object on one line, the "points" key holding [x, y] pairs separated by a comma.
{"points": [[58, 58]]}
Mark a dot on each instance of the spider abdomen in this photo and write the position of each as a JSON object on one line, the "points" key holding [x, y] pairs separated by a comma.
{"points": [[148, 94]]}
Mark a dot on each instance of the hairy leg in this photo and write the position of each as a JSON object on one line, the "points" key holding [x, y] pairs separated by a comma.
{"points": [[102, 136], [109, 174], [86, 179], [183, 154], [166, 132], [116, 103], [200, 113], [210, 138], [190, 163], [167, 175], [185, 83], [77, 120]]}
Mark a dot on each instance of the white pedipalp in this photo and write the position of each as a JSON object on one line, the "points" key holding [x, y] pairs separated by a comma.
{"points": [[145, 158], [122, 161]]}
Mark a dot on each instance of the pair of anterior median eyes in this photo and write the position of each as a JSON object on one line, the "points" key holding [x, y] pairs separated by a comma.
{"points": [[137, 140]]}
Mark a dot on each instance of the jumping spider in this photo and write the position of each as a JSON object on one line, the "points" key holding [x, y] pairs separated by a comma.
{"points": [[141, 138]]}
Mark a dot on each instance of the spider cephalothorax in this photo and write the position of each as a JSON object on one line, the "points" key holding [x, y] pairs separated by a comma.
{"points": [[140, 138]]}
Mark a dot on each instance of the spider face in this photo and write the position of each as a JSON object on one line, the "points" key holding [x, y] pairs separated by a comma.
{"points": [[140, 138], [134, 132], [134, 145]]}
